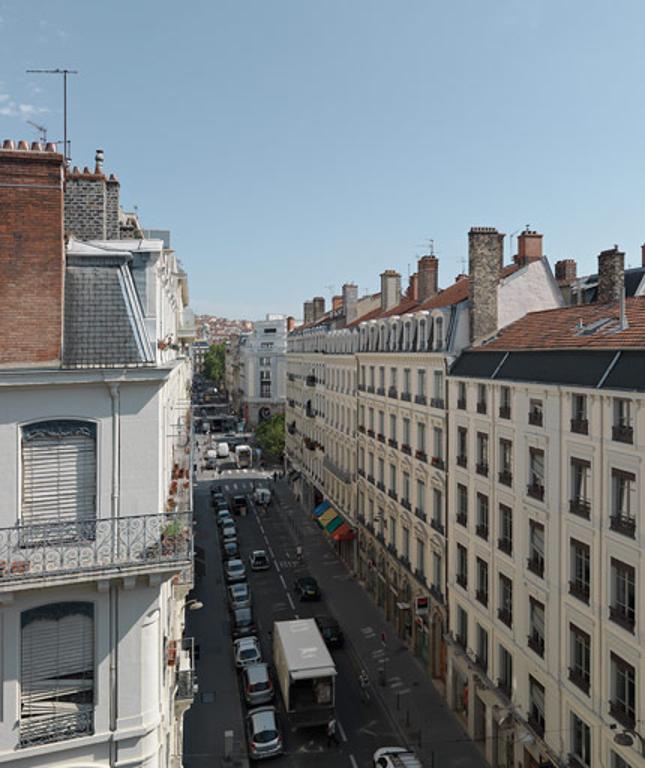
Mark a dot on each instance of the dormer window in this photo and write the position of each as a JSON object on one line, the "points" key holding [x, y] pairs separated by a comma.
{"points": [[438, 332]]}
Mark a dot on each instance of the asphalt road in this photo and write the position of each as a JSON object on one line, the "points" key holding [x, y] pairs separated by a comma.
{"points": [[362, 726]]}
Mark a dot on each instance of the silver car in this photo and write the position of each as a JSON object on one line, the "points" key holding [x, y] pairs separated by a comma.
{"points": [[263, 733], [247, 651], [239, 595], [258, 688], [235, 570], [229, 531]]}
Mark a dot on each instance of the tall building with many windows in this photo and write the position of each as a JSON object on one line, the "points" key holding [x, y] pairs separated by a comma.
{"points": [[96, 514]]}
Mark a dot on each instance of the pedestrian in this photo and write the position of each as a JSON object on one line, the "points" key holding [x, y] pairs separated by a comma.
{"points": [[299, 553], [275, 477], [331, 732]]}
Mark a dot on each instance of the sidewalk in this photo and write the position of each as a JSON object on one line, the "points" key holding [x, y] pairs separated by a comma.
{"points": [[415, 706]]}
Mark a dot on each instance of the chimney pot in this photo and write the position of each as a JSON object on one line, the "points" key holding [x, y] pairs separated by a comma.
{"points": [[8, 144], [22, 144], [529, 247], [643, 255], [86, 171], [50, 146], [566, 270], [98, 161], [308, 312], [36, 146], [413, 287]]}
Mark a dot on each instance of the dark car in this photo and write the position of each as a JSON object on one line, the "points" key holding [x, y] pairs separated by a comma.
{"points": [[242, 622], [330, 630], [306, 587], [230, 549], [238, 504]]}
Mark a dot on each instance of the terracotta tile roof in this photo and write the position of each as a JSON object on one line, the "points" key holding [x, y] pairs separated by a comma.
{"points": [[575, 327]]}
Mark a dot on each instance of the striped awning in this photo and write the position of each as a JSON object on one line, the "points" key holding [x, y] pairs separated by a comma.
{"points": [[321, 508], [332, 525], [326, 516], [344, 533]]}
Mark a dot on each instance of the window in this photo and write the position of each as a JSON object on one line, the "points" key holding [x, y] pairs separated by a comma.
{"points": [[438, 325], [393, 377], [437, 572], [535, 412], [623, 692], [482, 453], [505, 609], [362, 377], [536, 705], [505, 403], [461, 396], [392, 429], [406, 432], [270, 330], [57, 673], [580, 741], [580, 669], [482, 581], [580, 504], [535, 487], [437, 510], [393, 532], [361, 416], [536, 548], [370, 465], [482, 516], [462, 566], [393, 478], [579, 422], [406, 488], [579, 586], [405, 544], [59, 478], [482, 648], [266, 361], [437, 389], [481, 398], [622, 430], [505, 541], [623, 595], [437, 449], [421, 557], [462, 504], [421, 385], [536, 626], [505, 461], [361, 459], [622, 518], [381, 472], [265, 375], [381, 423], [370, 419], [505, 680], [372, 378], [421, 437], [462, 446], [265, 390], [381, 379], [407, 382], [462, 627], [421, 499]]}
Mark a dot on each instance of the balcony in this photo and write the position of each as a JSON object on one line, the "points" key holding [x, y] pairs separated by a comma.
{"points": [[461, 404], [406, 504], [621, 433], [622, 713], [310, 381], [370, 479], [462, 580], [392, 443], [361, 472], [482, 468], [380, 485], [535, 564], [361, 387], [420, 514], [505, 616], [406, 396], [462, 461], [59, 727], [505, 411], [505, 545], [624, 525], [68, 551], [371, 433], [361, 429], [436, 593], [392, 494], [536, 643], [537, 724], [505, 477], [420, 399], [482, 531], [462, 518], [580, 426], [580, 679], [481, 407], [393, 392], [380, 437], [580, 590], [535, 491], [438, 462], [437, 402], [380, 391], [421, 455], [580, 507], [536, 418], [482, 597], [622, 616], [420, 576], [405, 448], [370, 389], [342, 474], [186, 679]]}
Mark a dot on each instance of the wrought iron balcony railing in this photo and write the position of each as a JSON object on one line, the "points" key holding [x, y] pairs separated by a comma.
{"points": [[69, 550], [58, 727], [186, 679]]}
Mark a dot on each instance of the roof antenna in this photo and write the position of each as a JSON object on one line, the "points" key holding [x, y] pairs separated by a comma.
{"points": [[42, 130], [64, 73]]}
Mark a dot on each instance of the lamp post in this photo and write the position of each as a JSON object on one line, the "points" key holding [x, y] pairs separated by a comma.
{"points": [[194, 605], [626, 739]]}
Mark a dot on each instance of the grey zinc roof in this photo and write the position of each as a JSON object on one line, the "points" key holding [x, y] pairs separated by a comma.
{"points": [[103, 324]]}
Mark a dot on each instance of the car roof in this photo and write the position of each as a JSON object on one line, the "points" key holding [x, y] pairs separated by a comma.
{"points": [[263, 719], [257, 673], [257, 552], [328, 621], [243, 612], [247, 642], [307, 580], [234, 563], [241, 586]]}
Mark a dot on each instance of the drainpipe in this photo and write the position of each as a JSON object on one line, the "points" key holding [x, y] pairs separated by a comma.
{"points": [[113, 593]]}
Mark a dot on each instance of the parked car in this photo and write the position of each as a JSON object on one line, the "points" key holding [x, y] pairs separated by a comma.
{"points": [[262, 496], [242, 622], [219, 500], [395, 757], [246, 651], [306, 587], [239, 595], [258, 687], [238, 503], [224, 517], [229, 531], [263, 733], [235, 570], [230, 549], [259, 560], [330, 631]]}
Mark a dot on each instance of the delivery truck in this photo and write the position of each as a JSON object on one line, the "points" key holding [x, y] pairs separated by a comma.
{"points": [[243, 456], [305, 671]]}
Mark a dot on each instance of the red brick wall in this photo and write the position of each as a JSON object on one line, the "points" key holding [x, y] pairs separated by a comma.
{"points": [[31, 256]]}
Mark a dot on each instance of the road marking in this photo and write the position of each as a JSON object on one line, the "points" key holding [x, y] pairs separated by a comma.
{"points": [[277, 567], [271, 551], [396, 685], [293, 607], [367, 631], [352, 760], [343, 735], [403, 691], [282, 581]]}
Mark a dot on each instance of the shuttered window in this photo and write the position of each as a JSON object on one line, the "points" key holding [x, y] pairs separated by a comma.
{"points": [[58, 472], [57, 672]]}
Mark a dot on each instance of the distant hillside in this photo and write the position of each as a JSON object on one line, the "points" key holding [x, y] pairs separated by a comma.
{"points": [[217, 329]]}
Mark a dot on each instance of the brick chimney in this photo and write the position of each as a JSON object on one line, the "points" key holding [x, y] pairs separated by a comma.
{"points": [[643, 255], [529, 247], [336, 303], [485, 260], [92, 203], [319, 307], [566, 270], [413, 287], [291, 323], [350, 302], [611, 280], [390, 289], [428, 267], [32, 256], [308, 312]]}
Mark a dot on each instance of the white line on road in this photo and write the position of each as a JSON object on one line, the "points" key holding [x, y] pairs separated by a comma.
{"points": [[271, 552], [277, 567], [341, 730], [293, 607], [282, 581], [352, 760]]}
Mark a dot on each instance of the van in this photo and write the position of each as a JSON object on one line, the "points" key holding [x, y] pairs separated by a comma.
{"points": [[396, 757], [262, 496], [222, 450]]}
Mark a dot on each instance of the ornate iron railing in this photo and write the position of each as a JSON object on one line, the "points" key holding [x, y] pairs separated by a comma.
{"points": [[55, 549], [60, 727]]}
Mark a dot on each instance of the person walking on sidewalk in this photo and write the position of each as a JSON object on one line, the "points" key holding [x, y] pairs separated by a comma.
{"points": [[331, 732]]}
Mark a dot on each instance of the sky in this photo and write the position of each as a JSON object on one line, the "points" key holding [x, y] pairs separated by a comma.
{"points": [[291, 146]]}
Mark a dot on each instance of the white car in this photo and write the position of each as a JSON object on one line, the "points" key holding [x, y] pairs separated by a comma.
{"points": [[259, 560], [239, 595], [229, 531], [395, 757], [235, 570], [247, 651]]}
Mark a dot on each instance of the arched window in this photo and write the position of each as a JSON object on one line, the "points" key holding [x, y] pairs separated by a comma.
{"points": [[56, 672]]}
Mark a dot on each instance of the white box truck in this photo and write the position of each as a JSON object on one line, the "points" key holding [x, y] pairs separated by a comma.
{"points": [[306, 672], [222, 450], [243, 456]]}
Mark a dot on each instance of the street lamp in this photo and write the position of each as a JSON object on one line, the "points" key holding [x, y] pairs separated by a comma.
{"points": [[626, 739], [194, 605]]}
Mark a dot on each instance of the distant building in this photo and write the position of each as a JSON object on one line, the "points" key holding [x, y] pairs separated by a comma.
{"points": [[199, 349]]}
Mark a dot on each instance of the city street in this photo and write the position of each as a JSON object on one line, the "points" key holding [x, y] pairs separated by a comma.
{"points": [[390, 717]]}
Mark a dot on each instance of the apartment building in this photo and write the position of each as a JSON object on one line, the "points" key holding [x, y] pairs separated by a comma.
{"points": [[547, 439], [384, 372], [96, 531]]}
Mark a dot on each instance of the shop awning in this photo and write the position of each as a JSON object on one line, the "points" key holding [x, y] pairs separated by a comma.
{"points": [[326, 516], [332, 525], [321, 508], [344, 533]]}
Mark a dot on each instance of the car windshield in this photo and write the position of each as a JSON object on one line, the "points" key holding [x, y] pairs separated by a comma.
{"points": [[240, 590], [248, 653], [309, 583], [235, 565], [243, 616], [264, 737]]}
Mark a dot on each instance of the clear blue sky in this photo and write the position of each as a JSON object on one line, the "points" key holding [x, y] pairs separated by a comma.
{"points": [[292, 145]]}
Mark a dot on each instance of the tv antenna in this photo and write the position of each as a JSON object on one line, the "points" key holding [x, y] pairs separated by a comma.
{"points": [[64, 73], [428, 246], [42, 130]]}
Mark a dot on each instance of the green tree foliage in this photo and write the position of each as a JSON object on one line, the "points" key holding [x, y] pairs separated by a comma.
{"points": [[214, 363], [270, 435]]}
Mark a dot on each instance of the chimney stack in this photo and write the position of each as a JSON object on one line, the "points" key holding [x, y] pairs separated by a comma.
{"points": [[413, 287], [319, 307], [390, 289], [566, 271], [611, 267], [308, 312], [291, 323], [32, 255], [485, 260], [529, 247], [643, 255], [350, 302], [336, 303], [428, 277]]}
